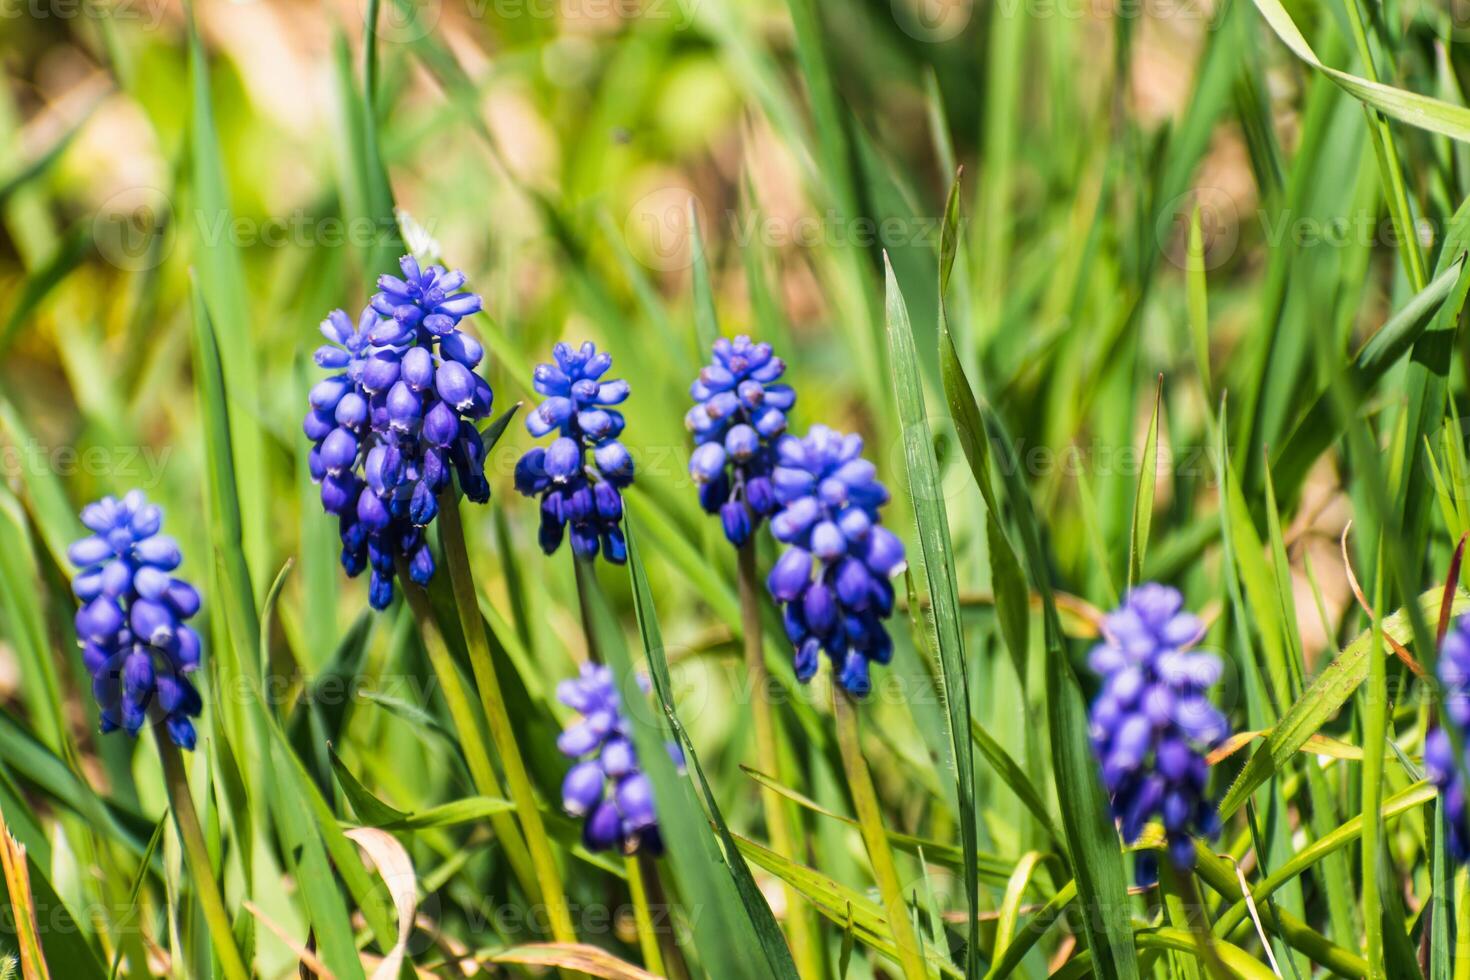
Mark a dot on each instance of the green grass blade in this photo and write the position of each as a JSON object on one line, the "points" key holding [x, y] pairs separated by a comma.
{"points": [[1323, 697], [937, 559], [1319, 427], [1143, 501], [755, 910]]}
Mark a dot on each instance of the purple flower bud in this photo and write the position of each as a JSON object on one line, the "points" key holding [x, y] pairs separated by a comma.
{"points": [[735, 518], [403, 407], [828, 542], [137, 675], [790, 575], [614, 462], [441, 426], [582, 788], [609, 502], [417, 369], [603, 829], [370, 510], [352, 410], [455, 384], [742, 443], [707, 461], [635, 801], [152, 622], [885, 554], [339, 450], [563, 459], [618, 758], [379, 372], [819, 608]]}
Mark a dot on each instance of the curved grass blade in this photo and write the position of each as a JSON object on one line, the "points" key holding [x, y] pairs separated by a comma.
{"points": [[1322, 698], [865, 919], [1410, 107], [1416, 795]]}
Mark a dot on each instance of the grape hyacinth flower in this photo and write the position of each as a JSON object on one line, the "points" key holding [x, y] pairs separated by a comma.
{"points": [[578, 499], [1152, 724], [606, 786], [830, 497], [1444, 770], [397, 419], [131, 623], [738, 414]]}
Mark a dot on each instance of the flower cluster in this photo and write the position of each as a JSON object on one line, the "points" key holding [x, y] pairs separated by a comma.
{"points": [[131, 623], [576, 496], [1445, 771], [739, 412], [1152, 721], [830, 498], [606, 786], [397, 417]]}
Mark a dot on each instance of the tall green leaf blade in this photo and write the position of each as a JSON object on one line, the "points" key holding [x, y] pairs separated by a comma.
{"points": [[221, 284], [937, 557]]}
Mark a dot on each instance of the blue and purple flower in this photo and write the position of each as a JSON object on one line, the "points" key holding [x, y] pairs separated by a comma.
{"points": [[131, 624], [1152, 723], [739, 413], [581, 499], [397, 419], [833, 578], [1443, 769], [606, 786]]}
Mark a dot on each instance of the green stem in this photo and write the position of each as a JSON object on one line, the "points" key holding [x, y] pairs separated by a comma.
{"points": [[1390, 170], [502, 732], [1187, 911], [653, 960], [870, 820], [1375, 729], [471, 739], [206, 886], [803, 947]]}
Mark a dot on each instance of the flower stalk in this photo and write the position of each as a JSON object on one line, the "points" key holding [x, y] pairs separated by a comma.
{"points": [[456, 698], [466, 602], [870, 822], [196, 850], [798, 923]]}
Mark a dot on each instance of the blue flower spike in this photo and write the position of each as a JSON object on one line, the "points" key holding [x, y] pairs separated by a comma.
{"points": [[739, 412], [397, 419], [1152, 723], [132, 621], [606, 786], [1444, 770], [580, 498], [833, 578]]}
